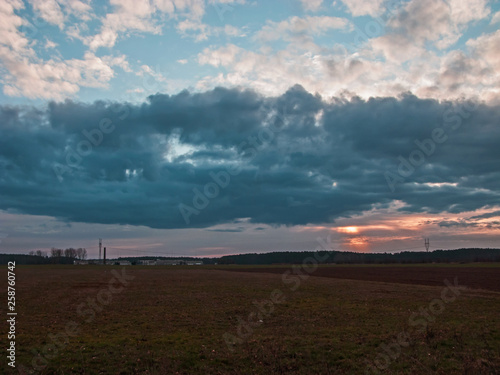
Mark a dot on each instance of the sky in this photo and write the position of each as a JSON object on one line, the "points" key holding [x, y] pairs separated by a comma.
{"points": [[208, 128]]}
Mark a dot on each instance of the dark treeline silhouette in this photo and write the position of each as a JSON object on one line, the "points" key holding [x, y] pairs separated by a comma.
{"points": [[57, 256], [344, 257], [33, 259], [136, 260]]}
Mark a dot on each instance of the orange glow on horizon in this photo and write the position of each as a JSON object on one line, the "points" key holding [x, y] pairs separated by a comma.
{"points": [[348, 230], [359, 244], [358, 241], [388, 229]]}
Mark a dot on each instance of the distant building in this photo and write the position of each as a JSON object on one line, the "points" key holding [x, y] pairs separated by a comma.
{"points": [[81, 262], [168, 262], [171, 262], [124, 263]]}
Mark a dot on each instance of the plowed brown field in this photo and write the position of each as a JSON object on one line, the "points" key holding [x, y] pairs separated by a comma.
{"points": [[473, 277]]}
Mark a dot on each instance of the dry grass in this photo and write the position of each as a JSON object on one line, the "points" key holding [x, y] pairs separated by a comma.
{"points": [[172, 321]]}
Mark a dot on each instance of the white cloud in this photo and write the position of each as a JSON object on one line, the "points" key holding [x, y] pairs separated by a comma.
{"points": [[201, 31], [137, 90], [156, 73], [142, 16], [226, 1], [312, 5], [54, 79], [374, 68], [224, 56], [495, 19], [421, 21], [56, 12], [362, 72], [397, 48], [273, 73], [487, 49], [455, 71], [194, 9], [129, 15], [28, 75], [49, 44], [297, 27], [364, 7], [458, 73], [12, 38], [50, 11], [463, 12], [233, 31], [120, 61], [80, 9]]}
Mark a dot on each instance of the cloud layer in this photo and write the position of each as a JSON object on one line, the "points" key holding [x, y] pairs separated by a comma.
{"points": [[57, 49], [197, 160]]}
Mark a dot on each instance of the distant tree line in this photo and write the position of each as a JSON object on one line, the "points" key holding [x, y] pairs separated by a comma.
{"points": [[137, 260], [469, 255], [38, 253], [79, 253], [57, 256], [345, 257]]}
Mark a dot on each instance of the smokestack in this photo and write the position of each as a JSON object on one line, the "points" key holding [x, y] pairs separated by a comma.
{"points": [[104, 255]]}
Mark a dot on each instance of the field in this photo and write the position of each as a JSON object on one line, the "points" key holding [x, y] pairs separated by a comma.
{"points": [[484, 276], [265, 320]]}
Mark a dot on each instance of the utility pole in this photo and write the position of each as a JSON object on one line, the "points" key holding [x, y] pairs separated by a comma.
{"points": [[427, 244], [100, 246]]}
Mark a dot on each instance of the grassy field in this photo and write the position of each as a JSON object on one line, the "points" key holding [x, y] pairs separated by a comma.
{"points": [[212, 320]]}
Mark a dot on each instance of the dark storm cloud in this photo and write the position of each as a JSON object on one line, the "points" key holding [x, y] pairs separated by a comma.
{"points": [[487, 215], [293, 159], [228, 230], [468, 223], [455, 223]]}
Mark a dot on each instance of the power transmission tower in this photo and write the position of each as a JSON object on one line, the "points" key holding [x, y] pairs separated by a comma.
{"points": [[427, 244]]}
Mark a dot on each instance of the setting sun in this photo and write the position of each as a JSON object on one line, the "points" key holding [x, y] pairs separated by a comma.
{"points": [[348, 230]]}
